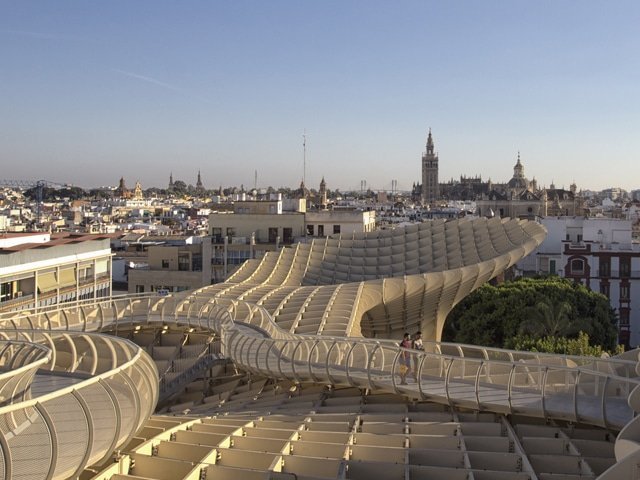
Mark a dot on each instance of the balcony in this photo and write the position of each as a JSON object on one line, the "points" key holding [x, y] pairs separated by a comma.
{"points": [[17, 302], [27, 300], [624, 273]]}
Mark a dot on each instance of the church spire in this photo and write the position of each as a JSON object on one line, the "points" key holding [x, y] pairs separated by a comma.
{"points": [[430, 187], [430, 143], [323, 194], [518, 169], [199, 182]]}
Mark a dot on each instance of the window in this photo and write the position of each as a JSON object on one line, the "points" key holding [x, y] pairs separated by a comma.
{"points": [[624, 292], [567, 237], [577, 266], [579, 237], [310, 230], [336, 229], [216, 235], [552, 267], [236, 257], [321, 230], [623, 315], [625, 266], [139, 288], [183, 263], [604, 268], [273, 234], [604, 289], [287, 235], [165, 263], [5, 292], [231, 232], [196, 262]]}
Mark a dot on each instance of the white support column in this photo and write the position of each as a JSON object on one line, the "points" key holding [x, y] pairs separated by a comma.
{"points": [[95, 279], [110, 273], [35, 290], [77, 274], [226, 253], [58, 285]]}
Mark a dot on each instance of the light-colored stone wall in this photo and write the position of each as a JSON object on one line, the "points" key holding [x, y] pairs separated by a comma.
{"points": [[241, 226]]}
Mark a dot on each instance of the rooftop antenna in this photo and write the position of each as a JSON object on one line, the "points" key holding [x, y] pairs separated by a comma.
{"points": [[255, 180], [304, 157]]}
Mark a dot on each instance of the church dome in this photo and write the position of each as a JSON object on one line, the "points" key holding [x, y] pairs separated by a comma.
{"points": [[519, 181]]}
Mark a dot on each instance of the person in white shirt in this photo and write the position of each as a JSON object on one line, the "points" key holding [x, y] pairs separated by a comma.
{"points": [[416, 344]]}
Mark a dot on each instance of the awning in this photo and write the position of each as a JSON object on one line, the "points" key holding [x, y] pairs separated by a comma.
{"points": [[67, 277], [47, 282], [101, 266]]}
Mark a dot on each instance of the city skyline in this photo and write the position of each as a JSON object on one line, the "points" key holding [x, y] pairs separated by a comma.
{"points": [[142, 90]]}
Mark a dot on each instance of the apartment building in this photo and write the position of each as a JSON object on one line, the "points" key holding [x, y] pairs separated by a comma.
{"points": [[251, 230], [322, 223], [599, 253], [43, 269], [164, 263]]}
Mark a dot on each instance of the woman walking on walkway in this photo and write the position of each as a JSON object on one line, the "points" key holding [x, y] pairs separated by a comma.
{"points": [[405, 359]]}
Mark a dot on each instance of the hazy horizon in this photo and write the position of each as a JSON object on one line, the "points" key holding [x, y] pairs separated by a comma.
{"points": [[94, 91]]}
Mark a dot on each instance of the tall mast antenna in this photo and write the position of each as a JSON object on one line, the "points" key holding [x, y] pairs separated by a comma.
{"points": [[304, 157]]}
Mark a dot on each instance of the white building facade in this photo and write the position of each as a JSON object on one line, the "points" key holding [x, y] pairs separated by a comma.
{"points": [[345, 222], [42, 269], [599, 253]]}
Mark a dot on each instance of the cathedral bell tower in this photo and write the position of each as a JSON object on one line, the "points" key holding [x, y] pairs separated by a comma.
{"points": [[199, 186], [323, 194], [430, 187]]}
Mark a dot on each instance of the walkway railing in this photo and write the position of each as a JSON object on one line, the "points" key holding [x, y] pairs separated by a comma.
{"points": [[567, 388], [577, 389], [90, 395]]}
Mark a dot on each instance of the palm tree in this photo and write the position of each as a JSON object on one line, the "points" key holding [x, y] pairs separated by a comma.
{"points": [[552, 319]]}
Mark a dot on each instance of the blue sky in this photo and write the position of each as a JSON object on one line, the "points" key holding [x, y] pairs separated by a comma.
{"points": [[91, 91]]}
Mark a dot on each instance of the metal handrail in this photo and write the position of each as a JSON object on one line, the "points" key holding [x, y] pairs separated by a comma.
{"points": [[523, 384], [91, 386]]}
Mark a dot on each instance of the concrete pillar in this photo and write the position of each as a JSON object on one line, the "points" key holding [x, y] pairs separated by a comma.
{"points": [[226, 252]]}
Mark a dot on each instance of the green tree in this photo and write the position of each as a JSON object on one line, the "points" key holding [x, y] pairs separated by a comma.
{"points": [[179, 188], [495, 315], [154, 192], [548, 319], [100, 193], [567, 346], [50, 194]]}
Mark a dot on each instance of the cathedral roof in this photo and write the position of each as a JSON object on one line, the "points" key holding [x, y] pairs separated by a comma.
{"points": [[518, 183], [560, 194], [496, 195], [527, 195]]}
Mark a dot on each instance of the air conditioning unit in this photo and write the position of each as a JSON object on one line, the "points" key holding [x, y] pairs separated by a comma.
{"points": [[18, 294]]}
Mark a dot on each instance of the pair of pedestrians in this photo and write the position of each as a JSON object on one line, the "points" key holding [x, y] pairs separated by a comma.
{"points": [[405, 356]]}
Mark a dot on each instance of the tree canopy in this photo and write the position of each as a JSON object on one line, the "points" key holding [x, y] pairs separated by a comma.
{"points": [[500, 316], [50, 194], [563, 345]]}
